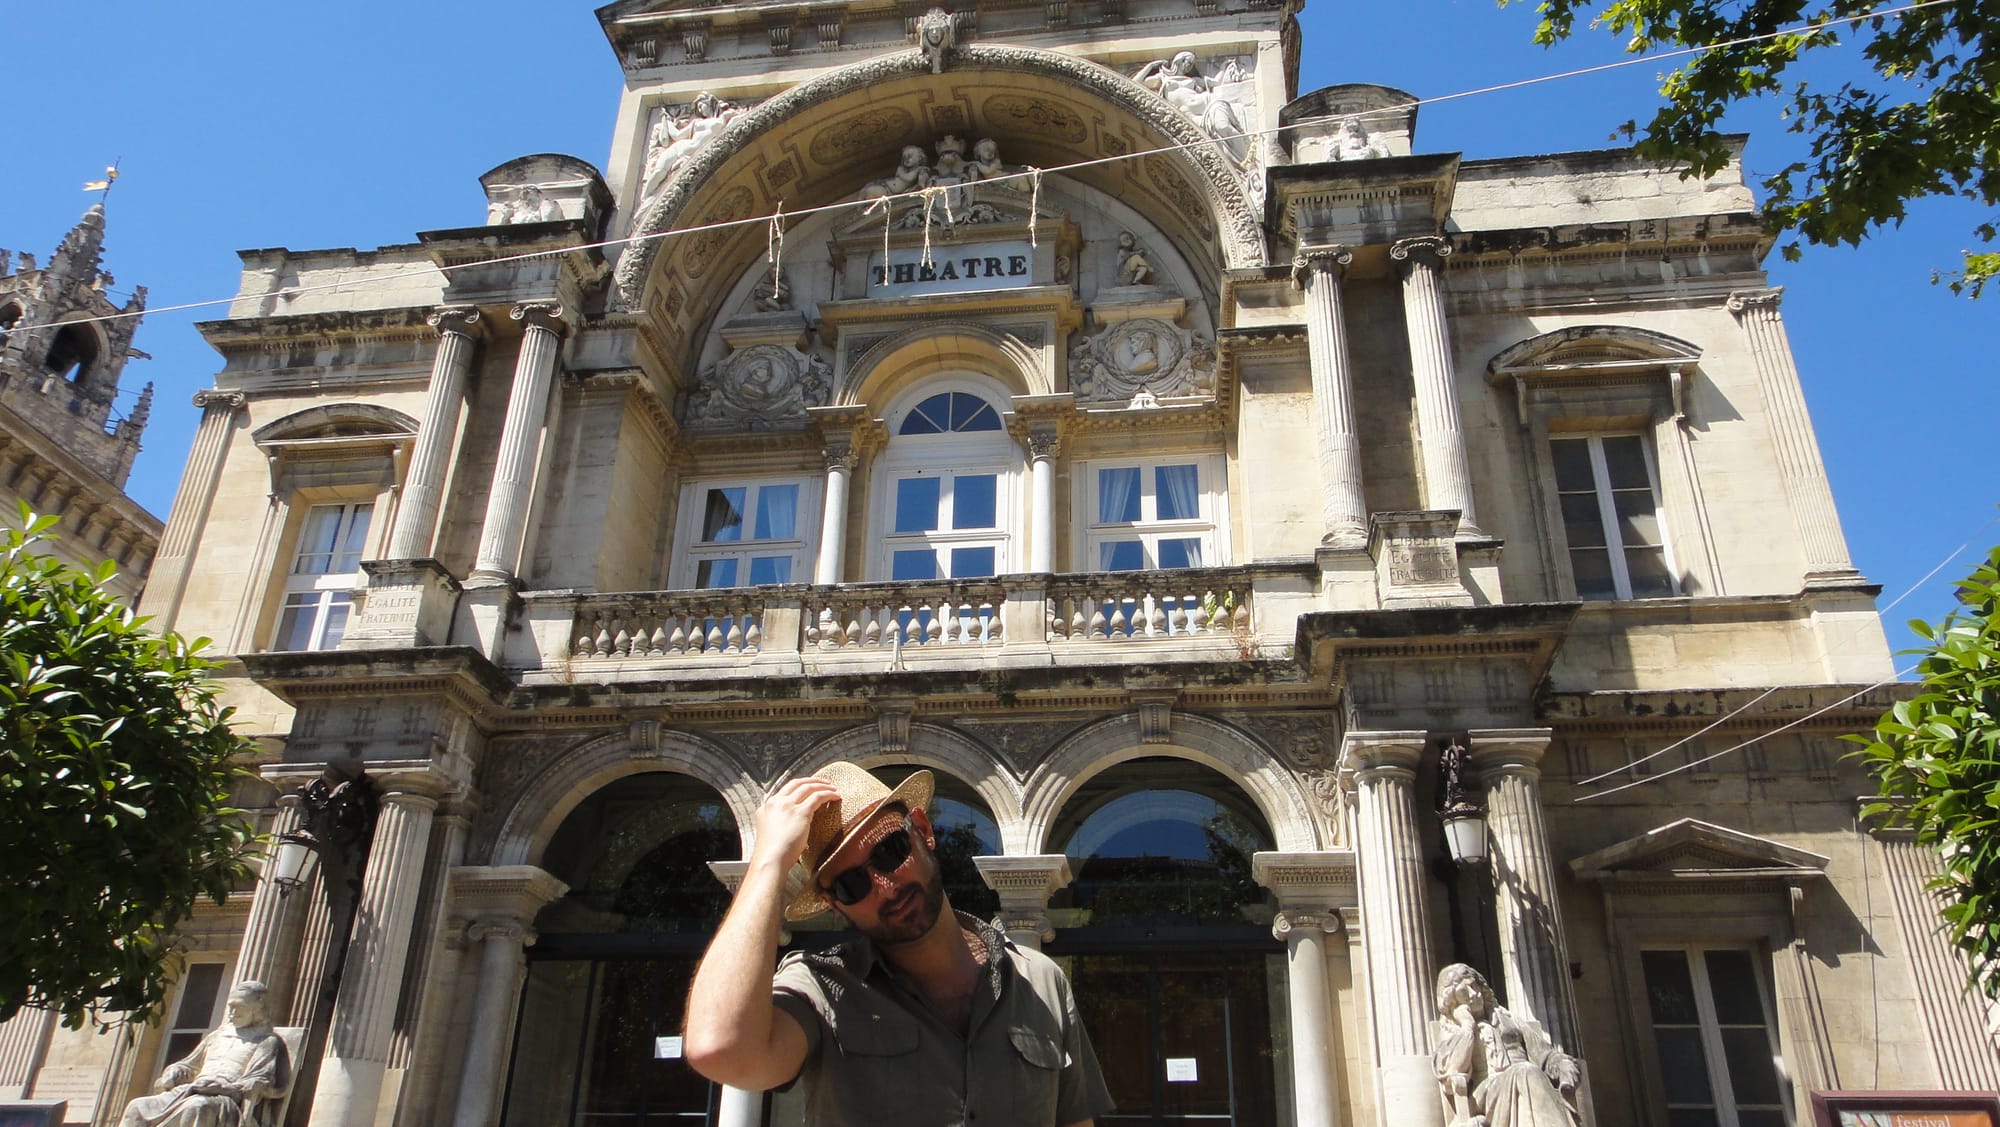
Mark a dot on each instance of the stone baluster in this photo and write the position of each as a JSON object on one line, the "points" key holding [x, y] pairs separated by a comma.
{"points": [[423, 491], [357, 1056], [506, 520], [833, 524], [1525, 897], [1318, 270], [1025, 884], [1799, 462], [174, 561], [1309, 887], [1395, 921], [1043, 447], [270, 939], [502, 902], [1447, 474]]}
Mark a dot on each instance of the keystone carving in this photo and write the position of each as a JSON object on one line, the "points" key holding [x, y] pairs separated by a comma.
{"points": [[1144, 353]]}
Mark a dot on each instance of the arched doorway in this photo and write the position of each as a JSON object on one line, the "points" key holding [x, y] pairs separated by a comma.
{"points": [[598, 1039], [1166, 938]]}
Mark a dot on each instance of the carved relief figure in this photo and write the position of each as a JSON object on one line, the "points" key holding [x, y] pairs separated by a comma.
{"points": [[911, 174], [1219, 105], [1356, 144], [533, 207], [1144, 354], [773, 293], [676, 133], [985, 161], [1133, 269], [936, 33], [952, 171], [1495, 1069], [762, 387], [227, 1080]]}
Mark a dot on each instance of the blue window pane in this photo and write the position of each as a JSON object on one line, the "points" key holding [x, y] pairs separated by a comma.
{"points": [[971, 563], [778, 512], [974, 500], [920, 420], [1118, 496], [971, 413], [1181, 552], [1121, 555], [1177, 492], [336, 621], [917, 504], [715, 573], [770, 569], [920, 563], [722, 521]]}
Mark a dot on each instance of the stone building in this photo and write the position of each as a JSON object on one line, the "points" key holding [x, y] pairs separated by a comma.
{"points": [[65, 448], [1198, 476]]}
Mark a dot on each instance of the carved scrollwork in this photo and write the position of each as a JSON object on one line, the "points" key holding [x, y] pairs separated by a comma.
{"points": [[761, 387]]}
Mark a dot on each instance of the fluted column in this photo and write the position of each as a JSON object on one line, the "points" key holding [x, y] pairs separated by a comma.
{"points": [[1395, 921], [1337, 441], [423, 489], [350, 1079], [1799, 461], [833, 520], [270, 943], [1024, 884], [174, 560], [1533, 951], [1447, 474], [1042, 450], [520, 436], [1311, 888]]}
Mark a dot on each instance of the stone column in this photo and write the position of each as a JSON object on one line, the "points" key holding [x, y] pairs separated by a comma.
{"points": [[357, 1056], [270, 943], [1025, 884], [1318, 270], [506, 520], [167, 581], [1395, 921], [1042, 450], [502, 902], [1447, 474], [1310, 887], [1525, 898], [423, 488], [833, 521], [1799, 461]]}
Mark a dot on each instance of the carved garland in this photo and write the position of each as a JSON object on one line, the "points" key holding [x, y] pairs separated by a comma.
{"points": [[1241, 234]]}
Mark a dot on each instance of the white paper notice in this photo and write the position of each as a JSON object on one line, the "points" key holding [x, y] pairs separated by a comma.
{"points": [[1181, 1070], [666, 1048]]}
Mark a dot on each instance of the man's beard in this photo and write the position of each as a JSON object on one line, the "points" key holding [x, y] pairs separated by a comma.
{"points": [[912, 923]]}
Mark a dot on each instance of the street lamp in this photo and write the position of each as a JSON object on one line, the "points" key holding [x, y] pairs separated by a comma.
{"points": [[1464, 819], [293, 861]]}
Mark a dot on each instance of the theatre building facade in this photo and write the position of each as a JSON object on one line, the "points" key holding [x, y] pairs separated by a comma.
{"points": [[1208, 484]]}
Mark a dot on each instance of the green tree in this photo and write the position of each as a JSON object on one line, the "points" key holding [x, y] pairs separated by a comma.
{"points": [[1924, 120], [116, 766], [1937, 757]]}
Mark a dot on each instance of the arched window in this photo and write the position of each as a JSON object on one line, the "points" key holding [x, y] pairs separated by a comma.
{"points": [[949, 489], [72, 354], [10, 315]]}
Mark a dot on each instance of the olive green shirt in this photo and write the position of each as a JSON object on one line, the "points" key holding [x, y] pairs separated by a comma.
{"points": [[877, 1054]]}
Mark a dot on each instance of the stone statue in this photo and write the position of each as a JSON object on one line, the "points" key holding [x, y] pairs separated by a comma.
{"points": [[1210, 102], [912, 173], [937, 32], [1356, 144], [229, 1080], [1495, 1069], [533, 207], [677, 132], [1133, 269], [986, 162], [773, 293]]}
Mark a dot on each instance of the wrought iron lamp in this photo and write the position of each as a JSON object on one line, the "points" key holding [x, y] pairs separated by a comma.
{"points": [[1463, 817]]}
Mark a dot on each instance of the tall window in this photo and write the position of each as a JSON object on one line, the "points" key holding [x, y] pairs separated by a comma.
{"points": [[750, 534], [951, 476], [1610, 497], [1152, 514], [323, 573], [1717, 1051], [197, 1011]]}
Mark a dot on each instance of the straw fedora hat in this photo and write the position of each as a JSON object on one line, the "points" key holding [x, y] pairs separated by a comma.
{"points": [[836, 823]]}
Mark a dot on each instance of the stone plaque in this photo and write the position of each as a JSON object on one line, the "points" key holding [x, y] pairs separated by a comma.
{"points": [[953, 269]]}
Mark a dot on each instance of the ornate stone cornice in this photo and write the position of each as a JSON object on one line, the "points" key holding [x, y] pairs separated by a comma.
{"points": [[1741, 301], [465, 320], [1427, 249], [1329, 258]]}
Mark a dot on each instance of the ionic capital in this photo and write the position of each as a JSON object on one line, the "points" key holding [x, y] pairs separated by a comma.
{"points": [[465, 320], [1284, 923], [1742, 300], [502, 930], [1426, 249], [545, 315], [1327, 258], [212, 397]]}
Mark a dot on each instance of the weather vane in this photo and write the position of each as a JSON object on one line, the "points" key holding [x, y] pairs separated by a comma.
{"points": [[104, 185]]}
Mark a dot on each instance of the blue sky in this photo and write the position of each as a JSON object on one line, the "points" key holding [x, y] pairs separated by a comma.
{"points": [[360, 123]]}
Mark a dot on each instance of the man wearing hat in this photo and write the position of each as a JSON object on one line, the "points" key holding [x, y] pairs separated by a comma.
{"points": [[930, 1017]]}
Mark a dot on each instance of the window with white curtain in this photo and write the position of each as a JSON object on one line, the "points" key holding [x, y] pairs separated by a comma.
{"points": [[1154, 513], [324, 573], [949, 497], [1609, 492], [747, 533]]}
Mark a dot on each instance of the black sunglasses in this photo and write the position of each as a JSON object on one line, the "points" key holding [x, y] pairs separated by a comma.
{"points": [[852, 886]]}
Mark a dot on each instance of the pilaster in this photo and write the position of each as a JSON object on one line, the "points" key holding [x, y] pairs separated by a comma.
{"points": [[423, 490], [1337, 442], [507, 503], [501, 901], [174, 561], [1311, 889]]}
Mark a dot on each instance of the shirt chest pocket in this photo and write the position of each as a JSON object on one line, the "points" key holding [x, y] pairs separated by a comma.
{"points": [[1039, 1049]]}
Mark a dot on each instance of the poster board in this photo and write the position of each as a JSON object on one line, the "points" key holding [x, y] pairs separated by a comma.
{"points": [[1906, 1109]]}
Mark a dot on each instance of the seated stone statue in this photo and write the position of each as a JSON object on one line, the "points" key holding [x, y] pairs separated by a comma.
{"points": [[228, 1078], [1495, 1069]]}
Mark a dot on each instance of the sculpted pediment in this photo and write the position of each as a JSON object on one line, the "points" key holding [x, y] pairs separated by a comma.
{"points": [[1695, 850]]}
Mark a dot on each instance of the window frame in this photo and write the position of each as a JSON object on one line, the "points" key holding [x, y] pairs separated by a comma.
{"points": [[1090, 533], [948, 456], [1714, 1053], [1614, 546], [324, 587], [216, 1006], [691, 550]]}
